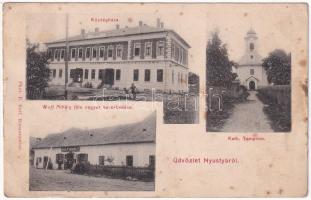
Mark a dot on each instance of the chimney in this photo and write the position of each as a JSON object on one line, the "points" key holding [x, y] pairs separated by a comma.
{"points": [[162, 25], [96, 30], [140, 23], [117, 26], [82, 32], [158, 22]]}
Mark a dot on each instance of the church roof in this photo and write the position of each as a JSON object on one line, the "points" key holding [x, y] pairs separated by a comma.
{"points": [[143, 131]]}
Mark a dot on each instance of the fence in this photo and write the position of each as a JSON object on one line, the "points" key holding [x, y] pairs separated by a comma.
{"points": [[141, 173], [35, 93]]}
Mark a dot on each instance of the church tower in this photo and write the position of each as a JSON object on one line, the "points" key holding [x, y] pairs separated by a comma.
{"points": [[250, 71]]}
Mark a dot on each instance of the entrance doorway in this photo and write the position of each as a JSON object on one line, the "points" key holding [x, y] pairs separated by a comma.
{"points": [[69, 160], [45, 161], [107, 76], [78, 75], [252, 85]]}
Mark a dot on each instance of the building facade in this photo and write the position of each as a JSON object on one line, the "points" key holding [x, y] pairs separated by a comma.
{"points": [[151, 57], [250, 72], [130, 145]]}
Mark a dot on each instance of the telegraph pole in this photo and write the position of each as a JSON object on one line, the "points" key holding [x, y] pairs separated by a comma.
{"points": [[66, 58]]}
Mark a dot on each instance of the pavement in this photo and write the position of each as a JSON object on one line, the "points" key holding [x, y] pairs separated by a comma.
{"points": [[248, 117], [61, 180]]}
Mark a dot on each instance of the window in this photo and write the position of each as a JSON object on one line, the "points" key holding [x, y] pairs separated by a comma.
{"points": [[137, 49], [160, 75], [251, 71], [173, 50], [110, 51], [56, 54], [119, 51], [251, 46], [73, 53], [177, 54], [136, 75], [101, 160], [252, 56], [148, 49], [93, 74], [129, 161], [62, 54], [60, 73], [94, 54], [100, 74], [101, 52], [59, 158], [118, 74], [88, 52], [82, 158], [152, 161], [160, 48], [39, 159], [180, 54], [147, 75], [54, 73], [173, 76], [86, 74], [80, 53]]}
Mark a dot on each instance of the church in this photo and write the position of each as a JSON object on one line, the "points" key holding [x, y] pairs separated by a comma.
{"points": [[250, 72]]}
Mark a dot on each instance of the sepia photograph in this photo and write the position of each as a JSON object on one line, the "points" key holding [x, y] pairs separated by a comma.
{"points": [[251, 93], [117, 157], [112, 59]]}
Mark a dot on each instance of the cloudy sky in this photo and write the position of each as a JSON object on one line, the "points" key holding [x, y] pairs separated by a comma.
{"points": [[274, 24]]}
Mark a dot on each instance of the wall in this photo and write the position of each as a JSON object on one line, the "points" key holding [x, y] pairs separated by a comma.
{"points": [[139, 151]]}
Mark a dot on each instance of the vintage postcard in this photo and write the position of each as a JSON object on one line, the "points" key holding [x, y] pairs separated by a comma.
{"points": [[155, 99]]}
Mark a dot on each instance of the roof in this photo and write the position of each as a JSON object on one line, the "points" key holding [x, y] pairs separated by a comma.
{"points": [[144, 131], [144, 29]]}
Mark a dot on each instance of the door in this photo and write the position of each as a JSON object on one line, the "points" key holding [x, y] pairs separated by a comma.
{"points": [[252, 85], [69, 160], [108, 76], [45, 161], [78, 75]]}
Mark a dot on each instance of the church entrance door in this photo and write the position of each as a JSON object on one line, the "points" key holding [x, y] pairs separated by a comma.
{"points": [[252, 85]]}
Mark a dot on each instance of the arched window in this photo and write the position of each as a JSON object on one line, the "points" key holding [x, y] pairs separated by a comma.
{"points": [[251, 46]]}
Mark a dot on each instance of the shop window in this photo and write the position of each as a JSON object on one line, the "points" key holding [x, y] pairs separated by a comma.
{"points": [[59, 158], [82, 158], [118, 74], [101, 160], [129, 161], [135, 75], [160, 75], [147, 75]]}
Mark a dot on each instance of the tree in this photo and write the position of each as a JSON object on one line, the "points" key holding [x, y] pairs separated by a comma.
{"points": [[218, 65], [37, 72], [278, 67]]}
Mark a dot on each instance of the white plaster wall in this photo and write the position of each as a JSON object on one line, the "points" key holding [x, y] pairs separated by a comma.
{"points": [[139, 151], [243, 73]]}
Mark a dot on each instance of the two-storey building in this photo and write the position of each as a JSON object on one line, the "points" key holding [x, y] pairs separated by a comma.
{"points": [[151, 57]]}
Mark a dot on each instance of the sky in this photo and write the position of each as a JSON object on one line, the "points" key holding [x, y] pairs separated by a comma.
{"points": [[273, 24]]}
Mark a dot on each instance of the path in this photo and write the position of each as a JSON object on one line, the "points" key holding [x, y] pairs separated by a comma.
{"points": [[248, 117], [60, 180]]}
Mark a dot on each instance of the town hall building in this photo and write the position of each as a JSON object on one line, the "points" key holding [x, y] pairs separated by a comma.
{"points": [[250, 72], [151, 57]]}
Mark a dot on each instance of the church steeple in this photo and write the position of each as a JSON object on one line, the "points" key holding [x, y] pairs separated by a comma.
{"points": [[251, 55]]}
